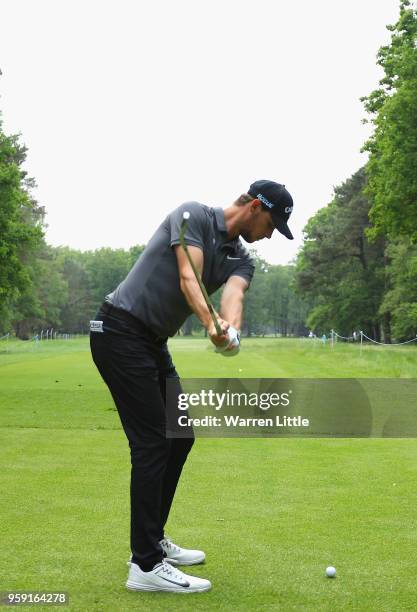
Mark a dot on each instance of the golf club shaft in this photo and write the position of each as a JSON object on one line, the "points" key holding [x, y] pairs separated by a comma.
{"points": [[198, 277]]}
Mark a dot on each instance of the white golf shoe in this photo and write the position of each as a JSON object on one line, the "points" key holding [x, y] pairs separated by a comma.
{"points": [[179, 556], [164, 577]]}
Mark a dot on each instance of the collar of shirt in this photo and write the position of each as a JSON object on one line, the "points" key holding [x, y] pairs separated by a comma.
{"points": [[221, 226]]}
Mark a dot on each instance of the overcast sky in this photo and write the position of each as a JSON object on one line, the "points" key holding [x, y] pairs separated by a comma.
{"points": [[129, 108]]}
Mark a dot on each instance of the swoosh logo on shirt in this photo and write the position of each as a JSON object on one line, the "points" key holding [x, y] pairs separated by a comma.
{"points": [[228, 257]]}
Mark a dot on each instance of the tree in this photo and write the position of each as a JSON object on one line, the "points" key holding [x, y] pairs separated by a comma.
{"points": [[21, 221], [79, 306], [90, 276], [392, 166], [255, 303], [277, 299], [41, 302], [339, 269], [107, 268], [401, 298]]}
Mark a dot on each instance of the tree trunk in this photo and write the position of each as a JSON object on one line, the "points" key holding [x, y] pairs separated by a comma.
{"points": [[386, 322], [22, 330], [386, 326], [362, 257]]}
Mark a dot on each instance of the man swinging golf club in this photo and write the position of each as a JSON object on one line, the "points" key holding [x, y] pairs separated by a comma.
{"points": [[194, 251]]}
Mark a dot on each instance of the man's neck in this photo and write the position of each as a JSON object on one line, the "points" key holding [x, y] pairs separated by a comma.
{"points": [[233, 222]]}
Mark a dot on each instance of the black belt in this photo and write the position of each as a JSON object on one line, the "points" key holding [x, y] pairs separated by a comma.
{"points": [[136, 323]]}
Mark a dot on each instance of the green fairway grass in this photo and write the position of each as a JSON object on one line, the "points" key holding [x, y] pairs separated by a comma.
{"points": [[271, 514]]}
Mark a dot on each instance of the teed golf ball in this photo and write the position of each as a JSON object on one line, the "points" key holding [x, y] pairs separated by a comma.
{"points": [[330, 572]]}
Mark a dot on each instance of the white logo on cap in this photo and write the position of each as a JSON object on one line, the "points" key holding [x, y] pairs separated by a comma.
{"points": [[287, 209], [264, 200]]}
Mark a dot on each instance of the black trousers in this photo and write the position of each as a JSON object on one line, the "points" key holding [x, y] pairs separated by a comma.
{"points": [[135, 364]]}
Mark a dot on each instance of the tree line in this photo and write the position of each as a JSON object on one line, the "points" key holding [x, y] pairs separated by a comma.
{"points": [[357, 268], [358, 264], [355, 281]]}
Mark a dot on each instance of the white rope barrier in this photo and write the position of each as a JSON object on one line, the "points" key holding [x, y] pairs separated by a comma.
{"points": [[342, 337], [359, 337], [51, 334], [385, 343]]}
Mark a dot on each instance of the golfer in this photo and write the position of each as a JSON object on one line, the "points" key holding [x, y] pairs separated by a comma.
{"points": [[129, 347]]}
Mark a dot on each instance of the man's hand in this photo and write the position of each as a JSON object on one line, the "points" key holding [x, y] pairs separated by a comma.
{"points": [[232, 346], [222, 339]]}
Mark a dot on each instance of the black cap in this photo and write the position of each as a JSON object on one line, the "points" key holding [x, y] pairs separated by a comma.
{"points": [[276, 199]]}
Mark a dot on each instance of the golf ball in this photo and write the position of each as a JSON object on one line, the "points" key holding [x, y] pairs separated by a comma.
{"points": [[330, 572], [186, 215]]}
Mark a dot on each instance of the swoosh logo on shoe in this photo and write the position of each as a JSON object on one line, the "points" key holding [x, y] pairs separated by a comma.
{"points": [[182, 584], [228, 257]]}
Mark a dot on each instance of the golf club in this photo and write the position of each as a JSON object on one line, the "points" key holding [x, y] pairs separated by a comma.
{"points": [[185, 217]]}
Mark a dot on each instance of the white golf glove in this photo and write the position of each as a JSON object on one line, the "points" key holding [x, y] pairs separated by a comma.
{"points": [[231, 348]]}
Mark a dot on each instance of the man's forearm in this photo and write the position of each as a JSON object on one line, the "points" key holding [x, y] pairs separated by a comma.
{"points": [[231, 307], [196, 301]]}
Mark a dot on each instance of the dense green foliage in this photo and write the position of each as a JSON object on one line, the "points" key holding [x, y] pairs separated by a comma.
{"points": [[400, 300], [339, 268], [20, 224], [392, 166], [271, 304], [358, 262], [355, 282], [68, 286]]}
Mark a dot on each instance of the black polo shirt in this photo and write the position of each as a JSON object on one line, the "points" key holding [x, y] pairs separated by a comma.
{"points": [[151, 291]]}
